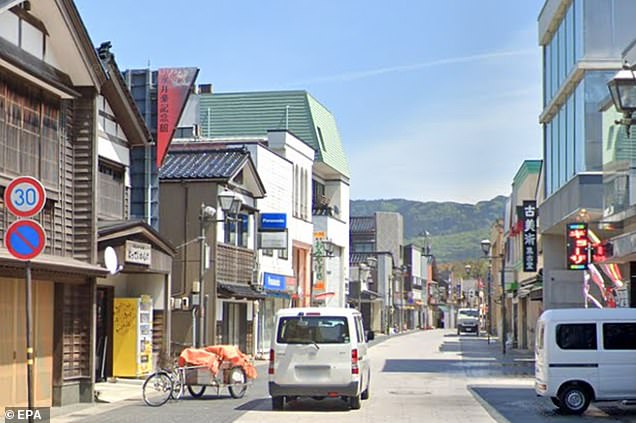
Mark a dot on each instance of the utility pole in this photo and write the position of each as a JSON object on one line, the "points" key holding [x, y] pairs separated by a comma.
{"points": [[503, 302]]}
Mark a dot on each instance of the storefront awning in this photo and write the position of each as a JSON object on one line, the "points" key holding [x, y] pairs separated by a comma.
{"points": [[239, 291], [324, 296], [271, 293]]}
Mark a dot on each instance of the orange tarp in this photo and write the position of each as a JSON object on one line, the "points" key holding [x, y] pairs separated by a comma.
{"points": [[212, 356], [199, 357]]}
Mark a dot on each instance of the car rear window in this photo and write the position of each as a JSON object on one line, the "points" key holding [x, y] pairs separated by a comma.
{"points": [[313, 329]]}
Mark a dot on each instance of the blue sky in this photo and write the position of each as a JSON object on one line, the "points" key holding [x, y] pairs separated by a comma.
{"points": [[435, 100]]}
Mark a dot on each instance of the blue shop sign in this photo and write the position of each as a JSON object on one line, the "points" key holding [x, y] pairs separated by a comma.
{"points": [[273, 221], [273, 281]]}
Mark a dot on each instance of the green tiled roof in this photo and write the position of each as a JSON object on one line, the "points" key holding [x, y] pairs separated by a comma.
{"points": [[254, 113], [528, 167]]}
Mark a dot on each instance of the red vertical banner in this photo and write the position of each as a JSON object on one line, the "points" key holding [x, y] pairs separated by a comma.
{"points": [[173, 87]]}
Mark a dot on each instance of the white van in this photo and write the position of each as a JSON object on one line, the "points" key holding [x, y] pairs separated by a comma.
{"points": [[319, 352], [584, 355]]}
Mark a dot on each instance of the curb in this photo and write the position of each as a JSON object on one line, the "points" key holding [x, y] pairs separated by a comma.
{"points": [[496, 415]]}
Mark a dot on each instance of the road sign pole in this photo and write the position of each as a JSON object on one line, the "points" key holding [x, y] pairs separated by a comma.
{"points": [[29, 337]]}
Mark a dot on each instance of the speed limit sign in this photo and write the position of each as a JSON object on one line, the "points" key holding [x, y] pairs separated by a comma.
{"points": [[24, 196]]}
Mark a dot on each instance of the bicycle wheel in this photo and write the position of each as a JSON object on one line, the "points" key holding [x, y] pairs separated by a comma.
{"points": [[157, 389], [177, 384], [237, 382], [196, 390]]}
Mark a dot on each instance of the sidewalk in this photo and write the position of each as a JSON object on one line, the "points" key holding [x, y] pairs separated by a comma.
{"points": [[113, 395], [109, 396]]}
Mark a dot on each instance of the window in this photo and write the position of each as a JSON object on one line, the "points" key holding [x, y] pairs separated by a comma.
{"points": [[110, 191], [576, 336], [236, 230], [283, 254], [363, 247], [359, 331], [313, 329], [268, 252], [30, 134], [619, 336]]}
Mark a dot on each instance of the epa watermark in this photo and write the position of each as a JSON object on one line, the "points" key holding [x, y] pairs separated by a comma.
{"points": [[25, 414]]}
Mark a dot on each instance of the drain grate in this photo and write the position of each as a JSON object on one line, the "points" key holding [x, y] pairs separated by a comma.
{"points": [[405, 393]]}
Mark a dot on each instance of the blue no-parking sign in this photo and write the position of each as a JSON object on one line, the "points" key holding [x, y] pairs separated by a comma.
{"points": [[24, 197], [25, 239]]}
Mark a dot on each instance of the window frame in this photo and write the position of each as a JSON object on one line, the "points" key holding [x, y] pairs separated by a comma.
{"points": [[560, 341], [623, 336]]}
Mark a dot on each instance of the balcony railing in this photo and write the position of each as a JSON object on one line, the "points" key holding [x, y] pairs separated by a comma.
{"points": [[234, 264]]}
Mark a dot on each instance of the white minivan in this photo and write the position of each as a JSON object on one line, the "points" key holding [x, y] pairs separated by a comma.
{"points": [[319, 352], [584, 355]]}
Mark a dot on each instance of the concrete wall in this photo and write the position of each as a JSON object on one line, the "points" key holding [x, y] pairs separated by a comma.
{"points": [[275, 173], [390, 234]]}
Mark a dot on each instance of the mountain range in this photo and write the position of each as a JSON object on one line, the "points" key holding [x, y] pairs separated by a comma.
{"points": [[455, 229]]}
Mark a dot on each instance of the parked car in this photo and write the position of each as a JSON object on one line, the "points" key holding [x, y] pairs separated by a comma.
{"points": [[468, 320], [319, 352], [584, 355]]}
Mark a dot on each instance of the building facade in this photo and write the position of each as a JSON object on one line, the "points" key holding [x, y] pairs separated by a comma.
{"points": [[67, 119], [524, 262], [379, 236], [256, 113], [582, 42], [216, 261]]}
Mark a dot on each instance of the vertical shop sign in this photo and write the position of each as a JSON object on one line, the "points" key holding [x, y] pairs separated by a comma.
{"points": [[577, 246], [529, 236], [173, 87]]}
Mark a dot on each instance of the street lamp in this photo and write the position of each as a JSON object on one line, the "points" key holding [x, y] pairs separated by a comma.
{"points": [[230, 205], [622, 88], [485, 248]]}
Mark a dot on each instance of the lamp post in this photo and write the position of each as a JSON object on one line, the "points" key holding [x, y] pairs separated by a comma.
{"points": [[489, 301], [206, 214], [485, 248], [622, 88]]}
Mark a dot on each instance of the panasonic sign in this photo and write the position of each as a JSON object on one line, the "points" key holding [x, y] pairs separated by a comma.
{"points": [[273, 221]]}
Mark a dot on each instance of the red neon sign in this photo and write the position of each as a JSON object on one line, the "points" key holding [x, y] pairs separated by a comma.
{"points": [[577, 246]]}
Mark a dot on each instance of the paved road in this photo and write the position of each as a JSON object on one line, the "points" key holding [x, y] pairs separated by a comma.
{"points": [[432, 376]]}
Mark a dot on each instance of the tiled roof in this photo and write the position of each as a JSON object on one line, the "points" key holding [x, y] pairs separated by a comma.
{"points": [[356, 258], [239, 291], [362, 224], [202, 164], [254, 113]]}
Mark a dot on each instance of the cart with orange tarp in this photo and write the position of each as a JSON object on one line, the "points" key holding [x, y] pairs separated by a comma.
{"points": [[218, 366]]}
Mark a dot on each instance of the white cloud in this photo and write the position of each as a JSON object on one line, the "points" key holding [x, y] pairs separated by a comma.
{"points": [[356, 75]]}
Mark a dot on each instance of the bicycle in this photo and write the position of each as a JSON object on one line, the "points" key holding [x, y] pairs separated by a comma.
{"points": [[171, 382], [163, 385]]}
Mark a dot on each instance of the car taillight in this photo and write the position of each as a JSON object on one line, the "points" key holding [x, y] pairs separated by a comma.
{"points": [[354, 362], [271, 362]]}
